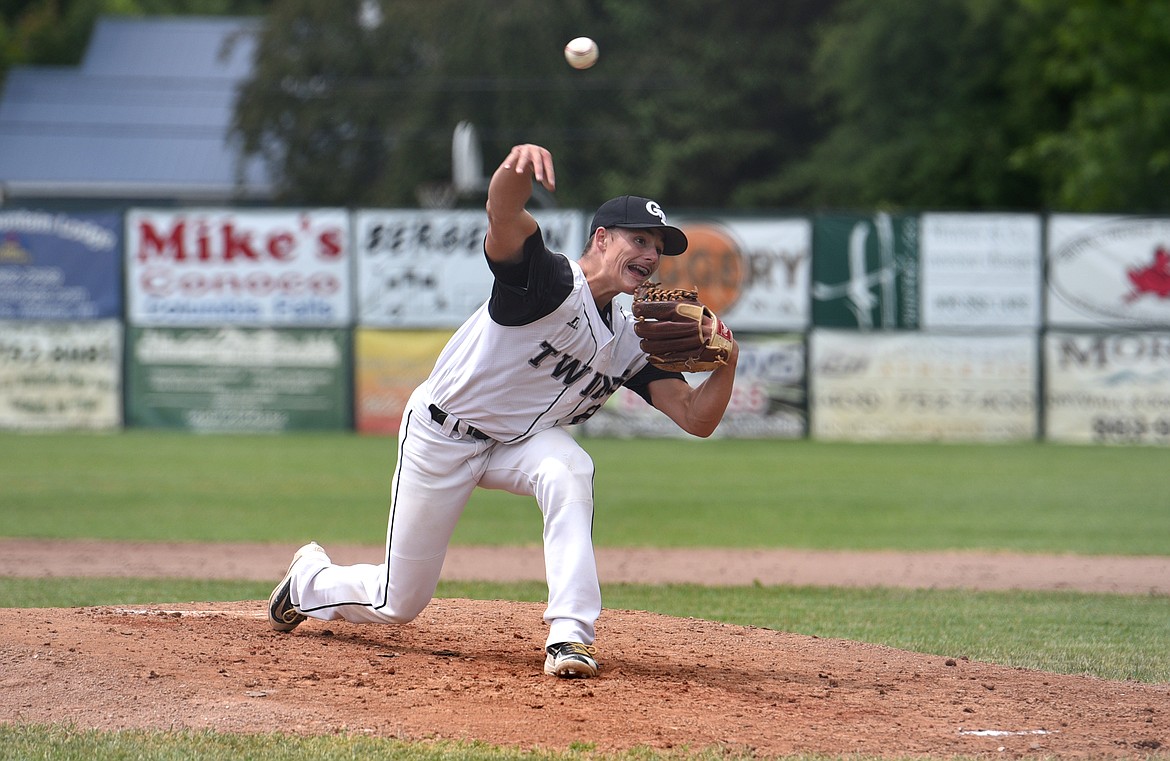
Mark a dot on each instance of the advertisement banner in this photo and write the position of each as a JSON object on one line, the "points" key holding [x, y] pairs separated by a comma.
{"points": [[60, 266], [61, 376], [865, 272], [1107, 388], [388, 365], [238, 379], [753, 273], [1108, 271], [208, 267], [922, 387], [768, 400], [981, 270], [426, 268]]}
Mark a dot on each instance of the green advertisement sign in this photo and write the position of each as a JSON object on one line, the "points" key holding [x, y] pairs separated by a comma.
{"points": [[238, 379], [865, 272]]}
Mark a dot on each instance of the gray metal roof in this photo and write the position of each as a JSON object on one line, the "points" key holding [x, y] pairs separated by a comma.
{"points": [[144, 116]]}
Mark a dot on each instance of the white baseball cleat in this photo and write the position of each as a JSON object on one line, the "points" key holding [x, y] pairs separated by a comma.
{"points": [[570, 660], [282, 614]]}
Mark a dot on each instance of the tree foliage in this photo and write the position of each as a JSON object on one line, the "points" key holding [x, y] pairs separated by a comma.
{"points": [[717, 97], [1104, 60], [688, 102], [920, 107], [946, 104], [355, 103], [977, 104], [967, 104]]}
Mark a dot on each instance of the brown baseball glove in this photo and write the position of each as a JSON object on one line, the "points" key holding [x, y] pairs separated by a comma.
{"points": [[670, 324]]}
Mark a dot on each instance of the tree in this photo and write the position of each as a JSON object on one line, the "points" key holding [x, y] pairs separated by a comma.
{"points": [[1104, 60], [992, 104], [695, 103], [718, 98], [921, 108], [948, 104], [355, 102]]}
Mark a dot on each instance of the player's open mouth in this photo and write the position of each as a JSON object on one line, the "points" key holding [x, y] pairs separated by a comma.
{"points": [[642, 272]]}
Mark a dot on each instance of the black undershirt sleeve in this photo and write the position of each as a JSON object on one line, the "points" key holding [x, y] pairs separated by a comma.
{"points": [[640, 383], [531, 288]]}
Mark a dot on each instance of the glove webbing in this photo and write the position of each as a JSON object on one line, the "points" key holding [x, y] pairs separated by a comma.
{"points": [[672, 294]]}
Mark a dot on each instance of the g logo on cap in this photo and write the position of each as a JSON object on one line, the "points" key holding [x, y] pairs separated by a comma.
{"points": [[653, 208]]}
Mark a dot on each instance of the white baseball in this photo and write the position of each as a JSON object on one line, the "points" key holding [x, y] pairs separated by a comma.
{"points": [[581, 52]]}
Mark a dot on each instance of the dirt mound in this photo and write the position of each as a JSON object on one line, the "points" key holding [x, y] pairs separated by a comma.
{"points": [[471, 670]]}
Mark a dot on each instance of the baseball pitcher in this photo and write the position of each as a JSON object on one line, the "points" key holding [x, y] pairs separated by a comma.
{"points": [[544, 352]]}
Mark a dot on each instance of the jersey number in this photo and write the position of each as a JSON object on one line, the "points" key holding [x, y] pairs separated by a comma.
{"points": [[585, 415]]}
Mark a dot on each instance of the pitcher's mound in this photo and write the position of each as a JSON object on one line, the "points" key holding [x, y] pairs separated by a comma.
{"points": [[471, 670]]}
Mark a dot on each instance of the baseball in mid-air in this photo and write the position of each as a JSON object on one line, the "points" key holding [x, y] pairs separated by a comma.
{"points": [[581, 52]]}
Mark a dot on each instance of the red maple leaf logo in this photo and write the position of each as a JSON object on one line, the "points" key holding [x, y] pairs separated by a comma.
{"points": [[1153, 279]]}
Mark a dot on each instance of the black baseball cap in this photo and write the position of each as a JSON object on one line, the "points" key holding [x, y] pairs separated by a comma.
{"points": [[639, 213]]}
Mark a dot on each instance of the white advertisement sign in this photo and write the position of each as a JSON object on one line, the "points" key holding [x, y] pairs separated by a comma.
{"points": [[768, 399], [980, 270], [208, 267], [426, 268], [1107, 388], [754, 273], [1108, 271], [58, 376], [922, 387]]}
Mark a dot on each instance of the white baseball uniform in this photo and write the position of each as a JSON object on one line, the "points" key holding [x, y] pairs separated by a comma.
{"points": [[537, 356]]}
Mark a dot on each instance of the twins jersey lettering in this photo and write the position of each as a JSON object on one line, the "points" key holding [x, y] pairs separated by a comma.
{"points": [[563, 357]]}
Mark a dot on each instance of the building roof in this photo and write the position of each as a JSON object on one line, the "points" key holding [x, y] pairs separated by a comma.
{"points": [[145, 116]]}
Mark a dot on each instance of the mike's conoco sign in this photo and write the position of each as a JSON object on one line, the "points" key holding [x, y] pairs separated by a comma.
{"points": [[228, 267]]}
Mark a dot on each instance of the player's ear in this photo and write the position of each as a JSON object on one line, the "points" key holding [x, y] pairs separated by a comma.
{"points": [[600, 239]]}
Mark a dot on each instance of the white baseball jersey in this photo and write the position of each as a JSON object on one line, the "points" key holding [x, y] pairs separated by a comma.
{"points": [[537, 356], [538, 353]]}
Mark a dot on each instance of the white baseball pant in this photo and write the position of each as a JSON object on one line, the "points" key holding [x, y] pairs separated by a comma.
{"points": [[436, 472]]}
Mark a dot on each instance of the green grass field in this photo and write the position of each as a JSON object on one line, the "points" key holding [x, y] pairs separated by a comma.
{"points": [[334, 487]]}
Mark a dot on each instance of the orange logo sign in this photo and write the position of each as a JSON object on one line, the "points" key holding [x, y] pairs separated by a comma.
{"points": [[712, 263]]}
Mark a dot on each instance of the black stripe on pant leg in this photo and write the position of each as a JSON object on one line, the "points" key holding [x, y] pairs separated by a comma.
{"points": [[389, 540]]}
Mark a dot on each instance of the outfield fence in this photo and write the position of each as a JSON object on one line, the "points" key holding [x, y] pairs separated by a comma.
{"points": [[912, 327]]}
